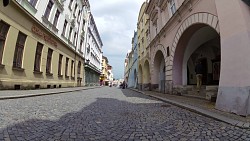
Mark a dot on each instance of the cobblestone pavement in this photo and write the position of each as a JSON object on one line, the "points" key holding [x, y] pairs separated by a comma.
{"points": [[107, 114]]}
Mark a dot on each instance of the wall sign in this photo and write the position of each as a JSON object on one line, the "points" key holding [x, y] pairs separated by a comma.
{"points": [[42, 35]]}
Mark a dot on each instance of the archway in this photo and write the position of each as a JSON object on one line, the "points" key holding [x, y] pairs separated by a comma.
{"points": [[158, 77], [140, 78], [146, 73], [198, 42], [135, 78]]}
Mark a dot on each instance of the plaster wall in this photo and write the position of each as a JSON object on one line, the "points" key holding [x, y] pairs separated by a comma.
{"points": [[234, 89]]}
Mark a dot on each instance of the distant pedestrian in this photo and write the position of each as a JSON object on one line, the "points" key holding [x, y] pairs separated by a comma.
{"points": [[199, 73]]}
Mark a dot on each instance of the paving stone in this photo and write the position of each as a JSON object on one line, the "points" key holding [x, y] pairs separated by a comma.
{"points": [[107, 114]]}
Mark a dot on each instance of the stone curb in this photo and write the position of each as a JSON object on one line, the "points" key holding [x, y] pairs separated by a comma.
{"points": [[203, 112], [44, 94]]}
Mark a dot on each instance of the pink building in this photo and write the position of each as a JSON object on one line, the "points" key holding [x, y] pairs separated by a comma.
{"points": [[216, 32]]}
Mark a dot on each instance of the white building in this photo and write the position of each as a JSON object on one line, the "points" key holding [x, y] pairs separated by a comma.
{"points": [[73, 24], [93, 53]]}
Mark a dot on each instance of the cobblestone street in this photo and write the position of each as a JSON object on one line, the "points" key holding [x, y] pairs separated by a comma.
{"points": [[107, 114]]}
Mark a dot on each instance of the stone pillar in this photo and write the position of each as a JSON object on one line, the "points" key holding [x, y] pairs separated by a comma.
{"points": [[234, 88]]}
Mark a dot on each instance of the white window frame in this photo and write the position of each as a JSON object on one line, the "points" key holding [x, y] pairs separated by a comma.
{"points": [[172, 7]]}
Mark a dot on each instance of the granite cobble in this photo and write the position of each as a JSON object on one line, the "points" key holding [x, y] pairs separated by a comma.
{"points": [[107, 114]]}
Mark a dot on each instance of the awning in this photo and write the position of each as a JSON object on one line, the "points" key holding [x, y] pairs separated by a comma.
{"points": [[247, 2]]}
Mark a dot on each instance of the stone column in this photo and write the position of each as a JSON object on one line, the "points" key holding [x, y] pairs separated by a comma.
{"points": [[234, 88]]}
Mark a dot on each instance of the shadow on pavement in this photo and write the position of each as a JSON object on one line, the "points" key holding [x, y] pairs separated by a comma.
{"points": [[113, 120], [131, 93]]}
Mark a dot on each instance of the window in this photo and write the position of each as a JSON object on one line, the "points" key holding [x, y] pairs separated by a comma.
{"points": [[66, 66], [48, 9], [79, 68], [81, 42], [70, 3], [38, 56], [49, 60], [18, 56], [60, 64], [78, 18], [70, 32], [75, 9], [75, 39], [56, 18], [72, 67], [4, 28], [172, 6], [168, 53], [33, 2], [64, 27]]}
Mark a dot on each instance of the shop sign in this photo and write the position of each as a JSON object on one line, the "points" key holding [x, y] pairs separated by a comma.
{"points": [[43, 36]]}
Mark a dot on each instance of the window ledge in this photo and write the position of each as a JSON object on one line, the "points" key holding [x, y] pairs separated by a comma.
{"points": [[18, 69], [37, 72], [2, 66], [49, 74], [80, 51]]}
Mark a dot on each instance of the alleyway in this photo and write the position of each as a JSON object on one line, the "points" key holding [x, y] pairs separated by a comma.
{"points": [[107, 114]]}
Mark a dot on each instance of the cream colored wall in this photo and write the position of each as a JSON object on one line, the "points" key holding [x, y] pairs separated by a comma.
{"points": [[19, 21]]}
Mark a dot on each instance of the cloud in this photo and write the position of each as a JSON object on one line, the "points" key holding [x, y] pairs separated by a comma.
{"points": [[116, 22]]}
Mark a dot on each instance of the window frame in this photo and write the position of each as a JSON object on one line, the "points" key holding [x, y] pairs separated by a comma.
{"points": [[19, 49], [66, 66], [38, 57], [48, 9], [49, 61], [57, 15], [60, 65], [4, 30]]}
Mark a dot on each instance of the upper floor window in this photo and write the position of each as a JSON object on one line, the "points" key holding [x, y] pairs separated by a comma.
{"points": [[172, 6], [70, 3], [64, 27], [48, 9], [33, 2], [79, 13], [18, 56], [81, 42], [56, 17], [4, 28], [75, 9], [75, 39], [70, 32]]}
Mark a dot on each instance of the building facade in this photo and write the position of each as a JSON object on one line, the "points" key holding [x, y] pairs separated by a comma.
{"points": [[133, 64], [41, 44], [183, 32], [143, 49], [93, 53]]}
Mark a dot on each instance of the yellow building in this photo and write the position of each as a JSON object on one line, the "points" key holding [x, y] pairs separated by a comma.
{"points": [[104, 74], [143, 49], [31, 56]]}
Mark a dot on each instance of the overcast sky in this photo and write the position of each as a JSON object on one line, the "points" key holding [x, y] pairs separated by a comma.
{"points": [[116, 22]]}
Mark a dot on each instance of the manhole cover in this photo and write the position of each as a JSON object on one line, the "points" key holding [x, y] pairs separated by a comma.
{"points": [[166, 106]]}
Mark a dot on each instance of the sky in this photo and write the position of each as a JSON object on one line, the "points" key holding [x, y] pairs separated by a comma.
{"points": [[116, 22]]}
